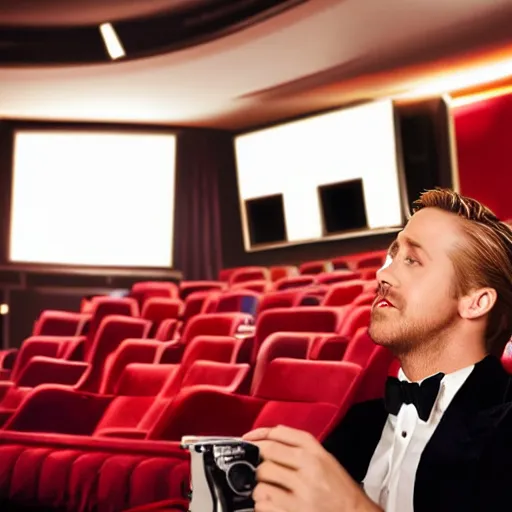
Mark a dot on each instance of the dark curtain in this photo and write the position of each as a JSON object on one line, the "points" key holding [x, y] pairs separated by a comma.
{"points": [[202, 159]]}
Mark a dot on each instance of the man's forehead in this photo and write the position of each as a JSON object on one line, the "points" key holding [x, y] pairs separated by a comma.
{"points": [[432, 227]]}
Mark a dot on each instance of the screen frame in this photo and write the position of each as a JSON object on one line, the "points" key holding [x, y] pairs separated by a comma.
{"points": [[353, 234], [7, 183]]}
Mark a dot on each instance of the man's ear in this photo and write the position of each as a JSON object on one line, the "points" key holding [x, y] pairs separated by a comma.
{"points": [[477, 303]]}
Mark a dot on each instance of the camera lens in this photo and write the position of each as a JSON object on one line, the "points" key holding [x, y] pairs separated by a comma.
{"points": [[241, 477]]}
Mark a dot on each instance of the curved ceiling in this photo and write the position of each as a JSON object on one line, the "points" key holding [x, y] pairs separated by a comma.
{"points": [[320, 54], [58, 13], [158, 27]]}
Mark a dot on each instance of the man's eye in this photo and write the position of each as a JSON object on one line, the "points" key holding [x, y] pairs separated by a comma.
{"points": [[410, 261]]}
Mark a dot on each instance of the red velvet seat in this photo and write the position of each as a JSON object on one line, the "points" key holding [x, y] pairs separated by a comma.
{"points": [[249, 274], [144, 290], [115, 474], [301, 319], [341, 294], [216, 324]]}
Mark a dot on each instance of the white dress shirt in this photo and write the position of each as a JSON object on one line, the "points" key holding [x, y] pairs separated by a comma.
{"points": [[391, 474]]}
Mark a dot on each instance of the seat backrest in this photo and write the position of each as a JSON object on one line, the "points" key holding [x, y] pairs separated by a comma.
{"points": [[278, 299], [307, 395], [301, 319], [103, 307], [226, 376], [222, 349], [294, 282], [315, 267], [337, 276], [225, 273], [142, 379], [357, 317], [130, 350], [157, 309], [375, 362], [278, 272], [49, 346], [340, 263], [341, 294], [215, 324], [167, 329], [145, 290], [170, 288], [360, 348], [243, 301], [249, 274], [198, 302], [188, 287], [258, 286], [371, 260], [365, 299], [111, 333], [60, 323], [294, 345], [369, 274]]}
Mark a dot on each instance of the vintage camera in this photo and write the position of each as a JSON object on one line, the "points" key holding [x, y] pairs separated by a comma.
{"points": [[223, 473]]}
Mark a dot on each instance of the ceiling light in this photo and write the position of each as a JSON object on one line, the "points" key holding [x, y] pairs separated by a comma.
{"points": [[460, 79], [112, 43]]}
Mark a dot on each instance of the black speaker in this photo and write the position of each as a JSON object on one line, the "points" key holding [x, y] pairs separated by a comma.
{"points": [[424, 130], [342, 205], [265, 219]]}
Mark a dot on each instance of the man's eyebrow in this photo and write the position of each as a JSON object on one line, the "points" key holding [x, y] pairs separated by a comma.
{"points": [[410, 242]]}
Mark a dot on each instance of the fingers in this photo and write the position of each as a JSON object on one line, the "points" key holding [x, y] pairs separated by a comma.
{"points": [[283, 454], [285, 435], [280, 476], [256, 435], [269, 498]]}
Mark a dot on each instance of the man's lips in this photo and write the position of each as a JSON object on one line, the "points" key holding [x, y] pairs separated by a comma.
{"points": [[382, 302]]}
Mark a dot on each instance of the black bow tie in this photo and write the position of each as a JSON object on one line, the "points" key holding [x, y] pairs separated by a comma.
{"points": [[423, 395]]}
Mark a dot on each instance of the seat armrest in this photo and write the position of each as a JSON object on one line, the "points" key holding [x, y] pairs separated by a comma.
{"points": [[126, 433], [59, 409]]}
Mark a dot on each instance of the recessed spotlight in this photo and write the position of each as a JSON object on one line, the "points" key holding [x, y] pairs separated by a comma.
{"points": [[112, 42]]}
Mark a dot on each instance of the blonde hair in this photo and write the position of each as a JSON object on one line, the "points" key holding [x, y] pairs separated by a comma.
{"points": [[484, 261]]}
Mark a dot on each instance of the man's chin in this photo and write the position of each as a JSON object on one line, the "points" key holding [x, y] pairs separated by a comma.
{"points": [[380, 335]]}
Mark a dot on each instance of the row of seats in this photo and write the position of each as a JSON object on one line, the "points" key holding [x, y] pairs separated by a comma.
{"points": [[46, 359], [359, 261], [168, 317], [159, 401], [93, 405]]}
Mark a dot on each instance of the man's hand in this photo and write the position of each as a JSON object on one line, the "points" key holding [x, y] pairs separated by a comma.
{"points": [[298, 475]]}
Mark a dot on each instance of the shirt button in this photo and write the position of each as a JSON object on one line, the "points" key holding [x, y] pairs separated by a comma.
{"points": [[404, 434]]}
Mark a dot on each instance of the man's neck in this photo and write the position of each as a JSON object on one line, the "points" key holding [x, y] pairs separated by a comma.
{"points": [[419, 366]]}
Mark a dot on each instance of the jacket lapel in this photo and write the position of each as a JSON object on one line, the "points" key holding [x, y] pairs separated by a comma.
{"points": [[449, 462]]}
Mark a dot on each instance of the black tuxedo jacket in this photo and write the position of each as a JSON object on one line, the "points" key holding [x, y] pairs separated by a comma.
{"points": [[467, 464]]}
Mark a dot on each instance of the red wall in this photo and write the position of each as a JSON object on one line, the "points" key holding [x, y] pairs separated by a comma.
{"points": [[484, 146]]}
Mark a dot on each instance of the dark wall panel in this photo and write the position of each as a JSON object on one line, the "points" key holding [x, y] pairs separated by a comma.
{"points": [[26, 305]]}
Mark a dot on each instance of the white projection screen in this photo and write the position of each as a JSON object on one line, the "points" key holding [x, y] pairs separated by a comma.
{"points": [[92, 198], [296, 158]]}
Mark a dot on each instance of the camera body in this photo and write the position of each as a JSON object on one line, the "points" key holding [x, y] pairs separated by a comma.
{"points": [[223, 473]]}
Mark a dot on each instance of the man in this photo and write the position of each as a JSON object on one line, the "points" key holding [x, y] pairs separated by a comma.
{"points": [[444, 308]]}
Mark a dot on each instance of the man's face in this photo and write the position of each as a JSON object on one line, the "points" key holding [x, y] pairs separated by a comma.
{"points": [[416, 302]]}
